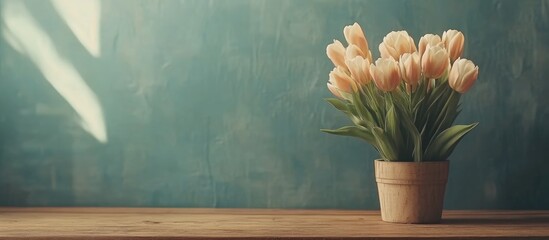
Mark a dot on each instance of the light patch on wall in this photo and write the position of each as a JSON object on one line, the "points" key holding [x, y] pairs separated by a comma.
{"points": [[83, 18], [27, 37]]}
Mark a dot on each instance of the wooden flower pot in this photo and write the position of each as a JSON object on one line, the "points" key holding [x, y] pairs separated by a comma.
{"points": [[411, 192]]}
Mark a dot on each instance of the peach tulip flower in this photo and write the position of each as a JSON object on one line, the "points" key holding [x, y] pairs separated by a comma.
{"points": [[435, 62], [396, 44], [340, 82], [360, 70], [355, 36], [410, 68], [453, 41], [463, 75], [428, 40], [336, 53], [385, 73]]}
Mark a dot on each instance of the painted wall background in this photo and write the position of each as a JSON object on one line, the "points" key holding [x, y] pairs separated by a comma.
{"points": [[219, 103]]}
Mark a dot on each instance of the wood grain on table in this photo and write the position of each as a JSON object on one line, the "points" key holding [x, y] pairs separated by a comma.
{"points": [[170, 223]]}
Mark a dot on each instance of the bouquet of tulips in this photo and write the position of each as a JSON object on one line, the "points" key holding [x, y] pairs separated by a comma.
{"points": [[404, 103]]}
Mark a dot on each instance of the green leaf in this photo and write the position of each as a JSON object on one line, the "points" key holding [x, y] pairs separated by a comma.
{"points": [[353, 131], [375, 104], [411, 128], [421, 102], [347, 108], [384, 146], [418, 115], [338, 104], [448, 114], [434, 110], [392, 128], [444, 117], [419, 93], [441, 92], [391, 124], [443, 145], [361, 109]]}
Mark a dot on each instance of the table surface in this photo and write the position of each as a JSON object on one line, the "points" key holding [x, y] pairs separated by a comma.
{"points": [[177, 223]]}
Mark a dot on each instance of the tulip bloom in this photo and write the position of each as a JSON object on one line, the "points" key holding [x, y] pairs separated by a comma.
{"points": [[410, 68], [352, 51], [360, 70], [340, 82], [453, 41], [396, 44], [435, 61], [463, 75], [336, 53], [386, 74], [355, 36], [428, 40]]}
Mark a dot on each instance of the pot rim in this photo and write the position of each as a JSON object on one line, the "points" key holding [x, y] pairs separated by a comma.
{"points": [[422, 162]]}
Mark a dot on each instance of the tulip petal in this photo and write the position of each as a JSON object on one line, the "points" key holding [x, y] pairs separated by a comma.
{"points": [[336, 53], [352, 51], [333, 90], [354, 35]]}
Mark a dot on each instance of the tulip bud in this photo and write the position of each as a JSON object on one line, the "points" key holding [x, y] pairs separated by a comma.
{"points": [[386, 74], [463, 75], [428, 40], [360, 70], [340, 81], [355, 36], [396, 44], [336, 53], [435, 61], [453, 41], [410, 68]]}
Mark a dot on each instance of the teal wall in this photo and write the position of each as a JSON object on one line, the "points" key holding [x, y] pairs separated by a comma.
{"points": [[219, 104]]}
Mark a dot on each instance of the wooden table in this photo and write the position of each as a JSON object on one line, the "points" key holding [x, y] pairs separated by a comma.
{"points": [[168, 223]]}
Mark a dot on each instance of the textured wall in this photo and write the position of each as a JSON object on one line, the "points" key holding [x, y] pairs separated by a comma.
{"points": [[219, 104]]}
